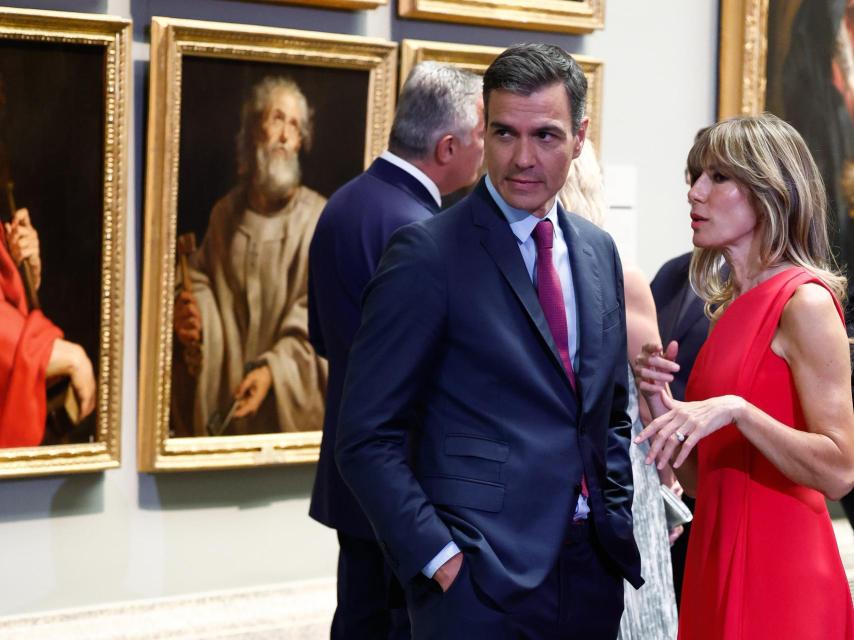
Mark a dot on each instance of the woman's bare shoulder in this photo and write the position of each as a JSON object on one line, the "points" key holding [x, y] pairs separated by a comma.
{"points": [[810, 319]]}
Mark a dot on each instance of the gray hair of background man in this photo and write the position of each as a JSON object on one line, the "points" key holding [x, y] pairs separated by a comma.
{"points": [[437, 99], [254, 111], [524, 69]]}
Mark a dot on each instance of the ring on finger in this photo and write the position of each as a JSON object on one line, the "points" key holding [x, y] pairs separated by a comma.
{"points": [[680, 436]]}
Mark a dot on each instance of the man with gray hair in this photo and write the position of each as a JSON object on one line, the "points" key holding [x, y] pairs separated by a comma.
{"points": [[247, 305], [435, 148]]}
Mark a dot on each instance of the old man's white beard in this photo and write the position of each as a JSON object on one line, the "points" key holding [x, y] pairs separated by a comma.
{"points": [[276, 175]]}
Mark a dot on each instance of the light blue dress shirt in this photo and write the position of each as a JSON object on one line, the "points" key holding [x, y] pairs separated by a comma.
{"points": [[522, 225]]}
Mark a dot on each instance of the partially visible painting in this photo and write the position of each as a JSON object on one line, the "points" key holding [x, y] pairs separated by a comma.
{"points": [[250, 130], [332, 4], [477, 58], [795, 58], [565, 16], [64, 82]]}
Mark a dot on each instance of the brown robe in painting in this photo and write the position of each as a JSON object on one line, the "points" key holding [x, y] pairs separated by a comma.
{"points": [[250, 278]]}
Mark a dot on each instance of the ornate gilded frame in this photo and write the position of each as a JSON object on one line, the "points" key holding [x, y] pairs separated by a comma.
{"points": [[171, 39], [333, 4], [743, 57], [564, 16], [477, 58], [113, 35]]}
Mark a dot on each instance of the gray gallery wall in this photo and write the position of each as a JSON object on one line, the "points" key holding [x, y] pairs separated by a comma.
{"points": [[72, 541]]}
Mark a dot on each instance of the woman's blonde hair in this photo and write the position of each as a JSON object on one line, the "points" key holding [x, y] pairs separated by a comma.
{"points": [[583, 192], [770, 159]]}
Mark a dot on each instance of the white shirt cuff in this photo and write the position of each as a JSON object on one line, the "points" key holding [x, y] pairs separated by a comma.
{"points": [[582, 508], [449, 551]]}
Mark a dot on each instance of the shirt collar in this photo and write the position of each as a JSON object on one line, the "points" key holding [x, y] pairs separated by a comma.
{"points": [[521, 222], [415, 172]]}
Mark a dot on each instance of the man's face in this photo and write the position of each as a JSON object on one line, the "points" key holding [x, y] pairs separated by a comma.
{"points": [[529, 146], [277, 170], [280, 128], [469, 161]]}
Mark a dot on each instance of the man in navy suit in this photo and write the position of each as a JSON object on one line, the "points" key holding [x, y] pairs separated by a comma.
{"points": [[435, 147], [483, 425]]}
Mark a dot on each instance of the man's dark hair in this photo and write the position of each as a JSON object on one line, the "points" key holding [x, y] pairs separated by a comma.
{"points": [[524, 69]]}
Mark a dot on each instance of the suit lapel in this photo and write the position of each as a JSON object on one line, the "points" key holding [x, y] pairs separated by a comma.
{"points": [[668, 316], [692, 315], [588, 300], [397, 177], [677, 323], [501, 245]]}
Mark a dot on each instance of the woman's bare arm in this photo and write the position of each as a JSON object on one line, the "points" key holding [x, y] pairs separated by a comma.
{"points": [[642, 328], [813, 342]]}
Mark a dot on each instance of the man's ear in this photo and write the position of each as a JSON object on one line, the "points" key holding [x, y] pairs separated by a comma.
{"points": [[446, 147], [580, 137]]}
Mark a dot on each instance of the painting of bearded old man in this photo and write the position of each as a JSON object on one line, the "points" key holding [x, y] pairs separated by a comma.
{"points": [[242, 362]]}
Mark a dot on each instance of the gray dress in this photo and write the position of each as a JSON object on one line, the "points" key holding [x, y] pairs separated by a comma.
{"points": [[650, 612]]}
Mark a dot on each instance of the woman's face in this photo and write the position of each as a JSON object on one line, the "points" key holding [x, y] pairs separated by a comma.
{"points": [[722, 215]]}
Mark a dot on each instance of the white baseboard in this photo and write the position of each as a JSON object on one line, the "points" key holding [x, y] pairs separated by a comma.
{"points": [[291, 611]]}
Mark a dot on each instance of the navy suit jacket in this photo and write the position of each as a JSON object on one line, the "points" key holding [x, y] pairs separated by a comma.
{"points": [[454, 350], [673, 294], [351, 234]]}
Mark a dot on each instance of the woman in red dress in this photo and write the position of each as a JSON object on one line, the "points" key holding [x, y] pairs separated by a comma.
{"points": [[768, 429]]}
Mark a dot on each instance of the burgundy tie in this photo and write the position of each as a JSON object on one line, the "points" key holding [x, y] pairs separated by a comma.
{"points": [[551, 300], [551, 295]]}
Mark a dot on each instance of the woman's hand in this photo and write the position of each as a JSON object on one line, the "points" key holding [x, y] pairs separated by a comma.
{"points": [[654, 369], [674, 533], [668, 478], [685, 424]]}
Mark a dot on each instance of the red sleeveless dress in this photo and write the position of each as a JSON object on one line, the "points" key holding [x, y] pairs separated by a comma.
{"points": [[763, 562]]}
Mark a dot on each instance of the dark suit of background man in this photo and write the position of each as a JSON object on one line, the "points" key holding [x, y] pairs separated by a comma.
{"points": [[680, 318], [495, 343], [435, 147]]}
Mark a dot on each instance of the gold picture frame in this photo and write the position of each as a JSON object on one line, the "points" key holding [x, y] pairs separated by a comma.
{"points": [[76, 68], [791, 58], [564, 16], [476, 58], [743, 57], [176, 47], [333, 4]]}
